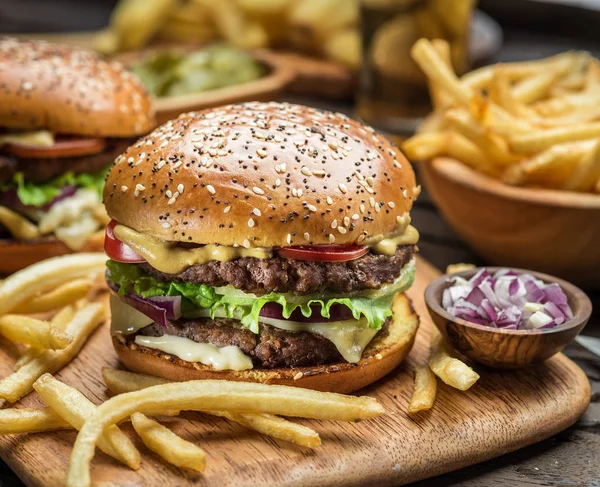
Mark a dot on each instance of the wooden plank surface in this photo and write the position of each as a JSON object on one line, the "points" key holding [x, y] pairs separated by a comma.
{"points": [[504, 411]]}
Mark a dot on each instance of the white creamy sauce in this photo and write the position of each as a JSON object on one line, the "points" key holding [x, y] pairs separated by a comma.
{"points": [[225, 358]]}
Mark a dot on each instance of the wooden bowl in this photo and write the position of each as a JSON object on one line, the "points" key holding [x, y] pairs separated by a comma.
{"points": [[552, 231], [279, 75], [507, 349]]}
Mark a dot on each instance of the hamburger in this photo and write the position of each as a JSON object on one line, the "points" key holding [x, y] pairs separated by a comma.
{"points": [[65, 114], [262, 242]]}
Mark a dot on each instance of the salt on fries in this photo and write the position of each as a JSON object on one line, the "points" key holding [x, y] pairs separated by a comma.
{"points": [[121, 381], [207, 395], [534, 123]]}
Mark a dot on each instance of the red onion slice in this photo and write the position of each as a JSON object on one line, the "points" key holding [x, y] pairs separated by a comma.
{"points": [[507, 300]]}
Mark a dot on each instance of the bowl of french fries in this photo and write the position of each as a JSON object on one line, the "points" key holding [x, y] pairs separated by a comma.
{"points": [[511, 156]]}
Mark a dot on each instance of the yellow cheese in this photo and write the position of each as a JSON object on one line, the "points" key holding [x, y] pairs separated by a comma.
{"points": [[350, 337], [38, 138], [169, 257], [225, 358], [388, 246]]}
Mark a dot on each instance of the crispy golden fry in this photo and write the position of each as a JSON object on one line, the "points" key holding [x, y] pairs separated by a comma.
{"points": [[439, 98], [449, 369], [425, 390], [433, 66], [534, 87], [25, 420], [136, 21], [60, 320], [260, 7], [61, 296], [75, 408], [37, 333], [320, 17], [587, 172], [542, 139], [454, 268], [235, 27], [45, 275], [239, 397], [492, 145], [167, 444], [120, 381], [19, 383]]}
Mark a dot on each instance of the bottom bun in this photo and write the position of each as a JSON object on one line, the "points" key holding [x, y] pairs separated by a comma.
{"points": [[18, 254], [380, 357]]}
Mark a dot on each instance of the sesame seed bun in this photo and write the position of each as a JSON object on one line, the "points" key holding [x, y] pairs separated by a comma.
{"points": [[382, 356], [262, 174], [18, 254], [69, 91]]}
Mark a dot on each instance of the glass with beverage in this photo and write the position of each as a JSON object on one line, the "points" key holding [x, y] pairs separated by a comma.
{"points": [[393, 92]]}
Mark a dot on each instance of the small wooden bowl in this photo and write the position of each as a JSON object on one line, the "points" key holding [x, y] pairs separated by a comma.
{"points": [[507, 349], [279, 75], [552, 231]]}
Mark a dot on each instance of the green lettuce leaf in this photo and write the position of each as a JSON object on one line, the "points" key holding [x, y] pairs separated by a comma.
{"points": [[39, 194], [246, 307]]}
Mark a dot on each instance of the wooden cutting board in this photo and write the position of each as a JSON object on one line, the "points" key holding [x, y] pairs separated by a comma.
{"points": [[504, 411]]}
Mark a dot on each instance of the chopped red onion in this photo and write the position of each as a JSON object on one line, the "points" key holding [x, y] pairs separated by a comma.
{"points": [[507, 300]]}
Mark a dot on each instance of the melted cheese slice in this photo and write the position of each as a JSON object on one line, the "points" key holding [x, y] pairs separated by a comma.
{"points": [[224, 358], [38, 138], [350, 337]]}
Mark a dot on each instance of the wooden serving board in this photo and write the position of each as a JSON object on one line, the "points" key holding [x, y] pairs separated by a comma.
{"points": [[504, 411]]}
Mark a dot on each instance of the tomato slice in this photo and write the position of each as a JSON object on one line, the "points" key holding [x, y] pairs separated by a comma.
{"points": [[63, 147], [323, 253], [116, 249]]}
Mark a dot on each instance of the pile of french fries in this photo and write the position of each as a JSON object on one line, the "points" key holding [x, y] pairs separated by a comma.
{"points": [[533, 123], [323, 27], [443, 364]]}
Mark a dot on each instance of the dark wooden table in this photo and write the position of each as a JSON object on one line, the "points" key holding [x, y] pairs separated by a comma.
{"points": [[571, 458]]}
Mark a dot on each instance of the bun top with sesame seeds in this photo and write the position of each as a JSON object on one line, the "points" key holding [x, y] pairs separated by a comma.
{"points": [[262, 175], [69, 91]]}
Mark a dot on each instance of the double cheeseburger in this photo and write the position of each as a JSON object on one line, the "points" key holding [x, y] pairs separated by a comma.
{"points": [[262, 242], [64, 116]]}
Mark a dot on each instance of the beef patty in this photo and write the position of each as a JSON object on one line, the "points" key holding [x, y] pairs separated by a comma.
{"points": [[262, 276], [39, 170], [270, 348]]}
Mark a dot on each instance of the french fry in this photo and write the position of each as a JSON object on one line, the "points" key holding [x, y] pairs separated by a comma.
{"points": [[448, 368], [72, 406], [120, 381], [534, 87], [344, 46], [459, 267], [542, 139], [492, 145], [587, 172], [136, 21], [25, 420], [37, 333], [45, 275], [208, 395], [260, 7], [439, 98], [59, 297], [20, 383], [167, 444], [425, 390], [433, 66], [59, 321], [14, 222]]}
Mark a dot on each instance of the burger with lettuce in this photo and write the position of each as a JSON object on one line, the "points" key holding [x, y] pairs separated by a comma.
{"points": [[262, 242], [65, 114]]}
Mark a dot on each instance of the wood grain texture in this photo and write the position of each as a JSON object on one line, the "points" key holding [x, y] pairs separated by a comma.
{"points": [[504, 411], [499, 347], [551, 231]]}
